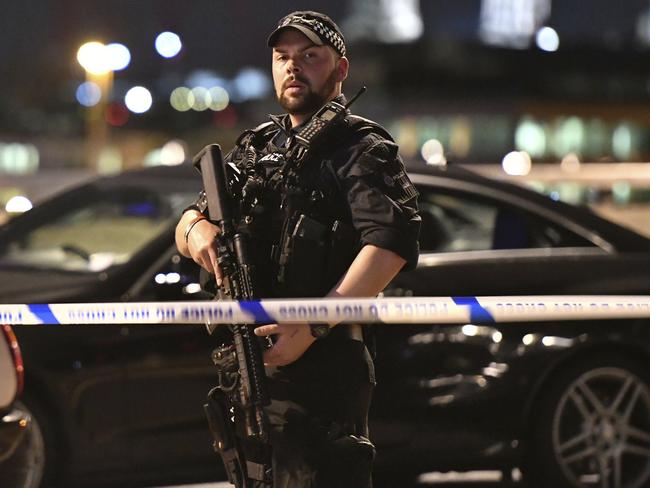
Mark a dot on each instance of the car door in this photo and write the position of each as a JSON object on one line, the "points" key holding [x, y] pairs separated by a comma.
{"points": [[489, 243], [476, 242], [168, 375]]}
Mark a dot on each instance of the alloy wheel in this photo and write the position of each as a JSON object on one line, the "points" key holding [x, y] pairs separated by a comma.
{"points": [[601, 430]]}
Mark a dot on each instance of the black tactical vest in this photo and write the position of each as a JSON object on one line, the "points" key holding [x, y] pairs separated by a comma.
{"points": [[300, 228]]}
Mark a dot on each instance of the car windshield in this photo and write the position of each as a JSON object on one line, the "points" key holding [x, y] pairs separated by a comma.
{"points": [[102, 228]]}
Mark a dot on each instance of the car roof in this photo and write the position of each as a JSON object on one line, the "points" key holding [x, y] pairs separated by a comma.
{"points": [[183, 174], [461, 178], [185, 177], [451, 176]]}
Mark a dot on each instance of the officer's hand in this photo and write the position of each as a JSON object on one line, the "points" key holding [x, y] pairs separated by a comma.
{"points": [[202, 245], [291, 341]]}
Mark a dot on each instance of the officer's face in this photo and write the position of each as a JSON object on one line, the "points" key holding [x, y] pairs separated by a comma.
{"points": [[305, 75]]}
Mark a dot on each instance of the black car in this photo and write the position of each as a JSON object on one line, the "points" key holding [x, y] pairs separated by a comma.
{"points": [[567, 402], [15, 461]]}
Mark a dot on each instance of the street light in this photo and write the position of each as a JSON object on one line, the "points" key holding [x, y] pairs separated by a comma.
{"points": [[100, 61]]}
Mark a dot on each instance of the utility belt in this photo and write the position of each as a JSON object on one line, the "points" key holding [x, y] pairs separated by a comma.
{"points": [[311, 256]]}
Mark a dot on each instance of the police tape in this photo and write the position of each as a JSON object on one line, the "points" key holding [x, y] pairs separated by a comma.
{"points": [[403, 310]]}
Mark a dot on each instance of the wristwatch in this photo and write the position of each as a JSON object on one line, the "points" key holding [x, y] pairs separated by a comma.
{"points": [[319, 330]]}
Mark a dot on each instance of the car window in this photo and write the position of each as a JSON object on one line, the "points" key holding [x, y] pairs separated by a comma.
{"points": [[171, 278], [102, 230], [460, 222]]}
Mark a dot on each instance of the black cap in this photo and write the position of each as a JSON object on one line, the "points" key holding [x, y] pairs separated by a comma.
{"points": [[318, 28]]}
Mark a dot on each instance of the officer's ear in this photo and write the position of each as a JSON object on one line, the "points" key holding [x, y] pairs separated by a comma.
{"points": [[342, 67]]}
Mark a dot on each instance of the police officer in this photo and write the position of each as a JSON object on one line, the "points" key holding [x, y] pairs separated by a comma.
{"points": [[354, 190]]}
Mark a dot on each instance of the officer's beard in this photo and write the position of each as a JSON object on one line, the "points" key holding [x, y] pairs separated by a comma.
{"points": [[310, 101]]}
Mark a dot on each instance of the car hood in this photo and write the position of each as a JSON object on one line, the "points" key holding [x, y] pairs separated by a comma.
{"points": [[27, 285]]}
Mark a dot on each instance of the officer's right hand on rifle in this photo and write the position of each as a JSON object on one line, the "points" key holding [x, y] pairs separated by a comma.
{"points": [[196, 239]]}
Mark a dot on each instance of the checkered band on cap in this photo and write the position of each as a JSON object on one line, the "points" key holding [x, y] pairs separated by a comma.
{"points": [[327, 34]]}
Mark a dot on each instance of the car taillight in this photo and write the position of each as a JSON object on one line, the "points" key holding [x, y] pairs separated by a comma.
{"points": [[18, 357]]}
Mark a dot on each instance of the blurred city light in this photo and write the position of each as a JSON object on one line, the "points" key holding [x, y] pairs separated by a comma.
{"points": [[98, 58], [181, 99], [530, 137], [402, 21], [94, 58], [643, 27], [512, 23], [570, 163], [89, 94], [621, 192], [469, 330], [206, 77], [17, 158], [433, 152], [217, 98], [173, 153], [18, 204], [118, 55], [199, 98], [152, 158], [569, 136], [201, 101], [173, 278], [547, 39], [517, 163], [622, 141], [116, 114], [192, 288], [460, 141], [168, 44], [138, 99], [109, 161], [167, 278], [552, 341], [388, 21], [597, 141], [226, 118], [406, 135], [251, 84]]}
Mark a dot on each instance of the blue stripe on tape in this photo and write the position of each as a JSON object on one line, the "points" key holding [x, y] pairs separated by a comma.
{"points": [[43, 312], [476, 312], [260, 316]]}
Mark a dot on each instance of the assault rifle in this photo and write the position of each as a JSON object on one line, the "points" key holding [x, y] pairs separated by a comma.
{"points": [[235, 407]]}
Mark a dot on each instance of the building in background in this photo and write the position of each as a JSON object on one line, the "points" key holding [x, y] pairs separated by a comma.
{"points": [[482, 77]]}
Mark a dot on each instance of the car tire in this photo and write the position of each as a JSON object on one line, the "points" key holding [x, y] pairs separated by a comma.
{"points": [[26, 467], [591, 426]]}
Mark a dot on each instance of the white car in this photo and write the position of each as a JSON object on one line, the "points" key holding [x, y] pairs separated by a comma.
{"points": [[15, 458]]}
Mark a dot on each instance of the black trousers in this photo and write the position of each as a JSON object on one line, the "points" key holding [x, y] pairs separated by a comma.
{"points": [[319, 416]]}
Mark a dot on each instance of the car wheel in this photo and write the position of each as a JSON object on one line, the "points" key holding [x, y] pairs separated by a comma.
{"points": [[592, 427], [26, 467]]}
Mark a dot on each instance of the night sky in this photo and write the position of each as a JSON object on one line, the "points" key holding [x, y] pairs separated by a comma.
{"points": [[39, 37]]}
